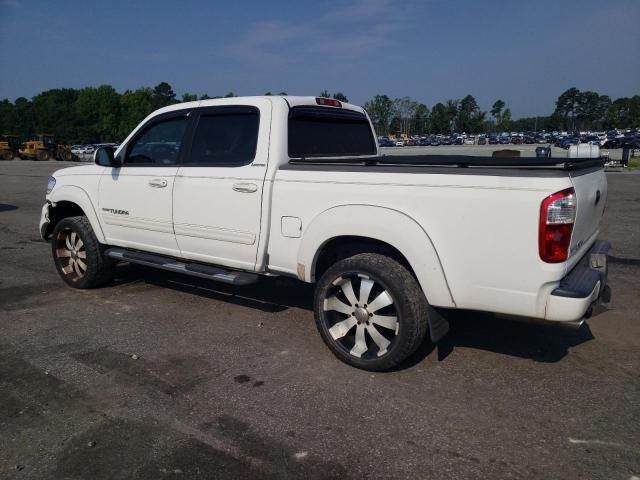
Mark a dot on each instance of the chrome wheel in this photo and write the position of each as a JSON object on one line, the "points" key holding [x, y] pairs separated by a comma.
{"points": [[71, 254], [363, 324]]}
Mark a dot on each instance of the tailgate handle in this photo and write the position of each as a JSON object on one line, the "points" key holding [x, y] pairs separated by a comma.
{"points": [[245, 187]]}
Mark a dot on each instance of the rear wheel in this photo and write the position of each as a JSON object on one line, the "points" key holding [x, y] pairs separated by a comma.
{"points": [[370, 311], [7, 155], [78, 255], [42, 155]]}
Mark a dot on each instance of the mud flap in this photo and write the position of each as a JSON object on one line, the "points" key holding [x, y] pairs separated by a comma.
{"points": [[438, 325]]}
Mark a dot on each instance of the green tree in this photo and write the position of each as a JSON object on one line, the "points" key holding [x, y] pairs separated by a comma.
{"points": [[163, 95], [189, 97], [230, 95], [380, 110], [440, 121], [566, 107], [134, 107], [325, 94], [496, 111], [404, 110], [505, 121], [452, 114], [469, 118], [341, 97], [421, 119]]}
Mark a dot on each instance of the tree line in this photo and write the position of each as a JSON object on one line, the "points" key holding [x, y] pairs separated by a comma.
{"points": [[101, 114]]}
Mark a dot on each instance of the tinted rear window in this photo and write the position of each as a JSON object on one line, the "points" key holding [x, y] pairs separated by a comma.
{"points": [[226, 136], [329, 132]]}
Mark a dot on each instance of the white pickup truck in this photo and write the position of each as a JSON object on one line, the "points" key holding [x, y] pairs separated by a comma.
{"points": [[232, 189]]}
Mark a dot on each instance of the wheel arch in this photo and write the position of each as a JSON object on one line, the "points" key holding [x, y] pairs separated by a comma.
{"points": [[69, 201], [374, 228]]}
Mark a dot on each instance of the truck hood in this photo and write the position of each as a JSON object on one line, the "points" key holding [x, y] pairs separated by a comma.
{"points": [[91, 169]]}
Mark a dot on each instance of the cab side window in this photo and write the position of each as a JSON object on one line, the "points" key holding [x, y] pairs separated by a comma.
{"points": [[158, 143], [227, 136]]}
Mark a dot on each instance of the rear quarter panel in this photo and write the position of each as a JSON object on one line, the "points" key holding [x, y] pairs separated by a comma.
{"points": [[483, 227]]}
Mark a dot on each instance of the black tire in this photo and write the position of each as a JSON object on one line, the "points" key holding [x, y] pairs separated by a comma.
{"points": [[42, 156], [77, 254], [7, 155], [373, 276]]}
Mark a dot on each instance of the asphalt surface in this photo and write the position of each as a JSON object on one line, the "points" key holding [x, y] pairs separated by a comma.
{"points": [[159, 376]]}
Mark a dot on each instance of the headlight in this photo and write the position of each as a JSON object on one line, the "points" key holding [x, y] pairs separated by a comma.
{"points": [[51, 182]]}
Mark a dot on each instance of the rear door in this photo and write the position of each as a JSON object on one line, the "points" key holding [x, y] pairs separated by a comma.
{"points": [[217, 196]]}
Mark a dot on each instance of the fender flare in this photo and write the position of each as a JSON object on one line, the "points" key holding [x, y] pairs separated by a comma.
{"points": [[384, 224], [77, 195]]}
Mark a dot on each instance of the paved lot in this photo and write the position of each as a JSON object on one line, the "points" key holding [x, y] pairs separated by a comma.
{"points": [[235, 383]]}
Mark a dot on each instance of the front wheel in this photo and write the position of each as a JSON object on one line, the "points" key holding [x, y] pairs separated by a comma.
{"points": [[370, 311], [78, 255]]}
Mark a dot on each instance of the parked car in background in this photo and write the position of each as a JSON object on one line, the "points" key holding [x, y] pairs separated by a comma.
{"points": [[458, 141], [400, 143], [529, 140], [482, 140], [516, 140], [447, 141], [504, 140], [385, 142], [493, 140], [470, 140]]}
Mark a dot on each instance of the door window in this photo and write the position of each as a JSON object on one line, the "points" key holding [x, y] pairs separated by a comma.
{"points": [[158, 144], [227, 137]]}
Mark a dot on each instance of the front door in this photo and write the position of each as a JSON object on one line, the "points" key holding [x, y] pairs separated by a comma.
{"points": [[218, 190], [135, 200]]}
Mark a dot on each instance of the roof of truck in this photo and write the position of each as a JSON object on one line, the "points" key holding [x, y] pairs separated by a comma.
{"points": [[292, 101]]}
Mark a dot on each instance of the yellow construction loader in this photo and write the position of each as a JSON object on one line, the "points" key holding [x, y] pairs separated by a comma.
{"points": [[9, 145], [45, 147]]}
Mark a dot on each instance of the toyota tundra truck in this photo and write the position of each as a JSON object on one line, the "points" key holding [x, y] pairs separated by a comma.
{"points": [[235, 189]]}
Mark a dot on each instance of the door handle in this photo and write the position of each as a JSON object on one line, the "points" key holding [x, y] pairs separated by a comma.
{"points": [[245, 187], [158, 182]]}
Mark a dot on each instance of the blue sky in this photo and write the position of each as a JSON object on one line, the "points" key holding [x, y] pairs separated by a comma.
{"points": [[525, 52]]}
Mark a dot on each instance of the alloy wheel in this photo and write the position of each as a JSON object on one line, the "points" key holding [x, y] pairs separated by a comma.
{"points": [[363, 324], [71, 254]]}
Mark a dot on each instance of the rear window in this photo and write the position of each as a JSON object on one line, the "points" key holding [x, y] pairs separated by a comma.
{"points": [[329, 132]]}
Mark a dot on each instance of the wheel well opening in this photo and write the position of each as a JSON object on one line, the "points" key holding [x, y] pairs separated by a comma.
{"points": [[62, 210], [340, 248]]}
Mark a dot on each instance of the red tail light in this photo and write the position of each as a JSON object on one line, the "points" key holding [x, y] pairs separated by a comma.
{"points": [[329, 102], [557, 215]]}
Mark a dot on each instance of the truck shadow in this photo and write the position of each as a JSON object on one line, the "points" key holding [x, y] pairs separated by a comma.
{"points": [[540, 342], [468, 329]]}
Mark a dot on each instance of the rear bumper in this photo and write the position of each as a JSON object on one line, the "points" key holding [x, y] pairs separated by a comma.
{"points": [[584, 286]]}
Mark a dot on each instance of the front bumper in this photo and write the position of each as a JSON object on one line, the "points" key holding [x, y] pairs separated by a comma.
{"points": [[584, 286], [45, 221]]}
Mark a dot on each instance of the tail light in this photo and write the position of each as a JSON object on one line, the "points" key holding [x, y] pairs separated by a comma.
{"points": [[329, 102], [557, 215]]}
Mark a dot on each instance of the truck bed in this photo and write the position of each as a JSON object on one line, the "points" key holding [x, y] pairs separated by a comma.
{"points": [[457, 161]]}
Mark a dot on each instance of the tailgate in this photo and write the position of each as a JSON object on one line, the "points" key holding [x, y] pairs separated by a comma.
{"points": [[591, 194]]}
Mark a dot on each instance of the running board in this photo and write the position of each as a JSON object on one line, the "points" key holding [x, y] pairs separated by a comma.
{"points": [[172, 265]]}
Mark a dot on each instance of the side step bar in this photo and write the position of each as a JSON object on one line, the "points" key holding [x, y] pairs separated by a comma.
{"points": [[172, 265]]}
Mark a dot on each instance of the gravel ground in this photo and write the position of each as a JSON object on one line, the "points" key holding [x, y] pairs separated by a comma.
{"points": [[159, 376]]}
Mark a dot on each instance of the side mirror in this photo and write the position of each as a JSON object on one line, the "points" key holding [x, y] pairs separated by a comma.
{"points": [[103, 156]]}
